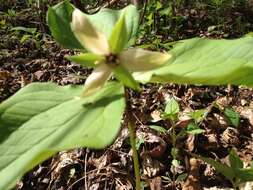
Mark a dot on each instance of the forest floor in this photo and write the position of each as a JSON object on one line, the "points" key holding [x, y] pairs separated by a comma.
{"points": [[39, 59]]}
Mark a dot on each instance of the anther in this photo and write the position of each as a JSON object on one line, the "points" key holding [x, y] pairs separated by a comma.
{"points": [[112, 59]]}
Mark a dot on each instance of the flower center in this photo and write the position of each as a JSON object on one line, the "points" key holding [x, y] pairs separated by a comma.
{"points": [[112, 59]]}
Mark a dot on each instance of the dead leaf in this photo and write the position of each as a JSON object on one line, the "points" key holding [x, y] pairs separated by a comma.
{"points": [[224, 102], [38, 74], [246, 113], [156, 146], [151, 167], [190, 142], [192, 181], [156, 116], [155, 183], [4, 75], [230, 137]]}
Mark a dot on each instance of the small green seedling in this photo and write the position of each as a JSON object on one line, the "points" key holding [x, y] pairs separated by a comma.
{"points": [[171, 113], [11, 13]]}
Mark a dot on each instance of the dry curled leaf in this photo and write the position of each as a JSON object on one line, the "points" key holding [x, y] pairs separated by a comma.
{"points": [[190, 145], [4, 75], [156, 116], [224, 102], [230, 137], [155, 145]]}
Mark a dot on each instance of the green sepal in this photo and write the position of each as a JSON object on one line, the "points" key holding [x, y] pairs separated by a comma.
{"points": [[124, 76], [118, 39], [86, 59]]}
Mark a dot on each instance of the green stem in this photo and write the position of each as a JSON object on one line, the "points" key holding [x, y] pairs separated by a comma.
{"points": [[135, 155], [174, 139], [132, 134]]}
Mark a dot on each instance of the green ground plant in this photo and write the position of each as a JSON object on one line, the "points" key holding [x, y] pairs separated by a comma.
{"points": [[172, 20], [27, 34], [236, 173], [171, 114], [43, 118]]}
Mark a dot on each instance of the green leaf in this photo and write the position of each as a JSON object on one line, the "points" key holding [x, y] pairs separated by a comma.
{"points": [[171, 107], [228, 172], [24, 29], [182, 177], [175, 163], [245, 175], [198, 115], [174, 152], [232, 116], [158, 129], [206, 61], [125, 77], [42, 119], [86, 59], [158, 5], [58, 19], [139, 142], [118, 39], [235, 161], [25, 38], [193, 129]]}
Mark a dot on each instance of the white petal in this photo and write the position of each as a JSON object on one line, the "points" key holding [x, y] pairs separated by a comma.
{"points": [[97, 79], [87, 34], [136, 59]]}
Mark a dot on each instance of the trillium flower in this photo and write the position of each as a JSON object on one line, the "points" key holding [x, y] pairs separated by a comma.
{"points": [[108, 56]]}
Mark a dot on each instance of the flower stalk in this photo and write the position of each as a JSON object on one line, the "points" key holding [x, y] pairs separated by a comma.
{"points": [[132, 134], [109, 56]]}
